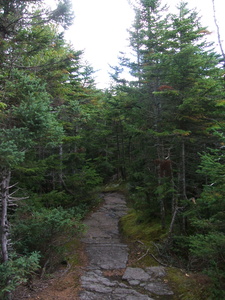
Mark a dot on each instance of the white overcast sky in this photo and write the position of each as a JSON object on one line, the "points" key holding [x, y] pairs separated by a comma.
{"points": [[100, 29]]}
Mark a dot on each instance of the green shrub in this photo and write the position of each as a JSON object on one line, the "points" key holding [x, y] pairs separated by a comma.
{"points": [[16, 271], [44, 230], [56, 199], [82, 184], [209, 250]]}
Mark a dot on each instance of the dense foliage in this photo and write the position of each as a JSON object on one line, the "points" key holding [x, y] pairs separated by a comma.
{"points": [[46, 180], [60, 137], [173, 135]]}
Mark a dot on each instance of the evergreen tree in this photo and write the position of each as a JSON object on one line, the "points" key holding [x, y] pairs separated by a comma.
{"points": [[27, 117], [189, 94], [174, 97]]}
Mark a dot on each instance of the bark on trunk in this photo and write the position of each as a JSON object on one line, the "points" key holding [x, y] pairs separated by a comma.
{"points": [[184, 195], [61, 165], [183, 172], [6, 174], [173, 221]]}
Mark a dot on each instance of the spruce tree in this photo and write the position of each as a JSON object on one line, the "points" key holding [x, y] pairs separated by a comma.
{"points": [[27, 118]]}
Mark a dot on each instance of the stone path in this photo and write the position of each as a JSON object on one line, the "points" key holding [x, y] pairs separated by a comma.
{"points": [[107, 275]]}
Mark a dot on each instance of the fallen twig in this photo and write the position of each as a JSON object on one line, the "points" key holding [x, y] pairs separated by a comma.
{"points": [[44, 269], [158, 261], [143, 255], [152, 255]]}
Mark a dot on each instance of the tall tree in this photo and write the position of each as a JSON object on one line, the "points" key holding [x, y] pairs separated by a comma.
{"points": [[26, 115], [176, 90]]}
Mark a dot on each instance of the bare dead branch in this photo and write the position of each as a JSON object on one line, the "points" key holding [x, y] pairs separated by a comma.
{"points": [[143, 255], [13, 192], [218, 30], [12, 199], [11, 186], [152, 255]]}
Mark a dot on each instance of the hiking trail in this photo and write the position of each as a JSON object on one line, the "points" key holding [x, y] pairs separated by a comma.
{"points": [[107, 275], [104, 272]]}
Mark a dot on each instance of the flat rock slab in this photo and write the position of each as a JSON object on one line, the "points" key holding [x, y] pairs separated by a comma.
{"points": [[156, 272], [97, 286], [151, 279], [158, 288], [103, 224], [107, 256], [136, 274], [106, 252], [103, 246]]}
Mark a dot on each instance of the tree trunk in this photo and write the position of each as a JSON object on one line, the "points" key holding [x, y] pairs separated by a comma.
{"points": [[160, 153], [61, 165], [163, 213], [6, 174], [184, 195], [183, 172], [175, 211]]}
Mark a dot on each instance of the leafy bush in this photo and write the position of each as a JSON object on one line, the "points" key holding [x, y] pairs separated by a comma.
{"points": [[83, 182], [56, 199], [209, 251], [16, 271], [44, 230]]}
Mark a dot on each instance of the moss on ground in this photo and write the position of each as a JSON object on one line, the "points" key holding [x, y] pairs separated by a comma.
{"points": [[145, 232], [189, 286], [74, 253], [118, 186], [141, 237]]}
